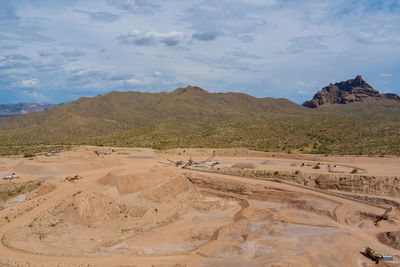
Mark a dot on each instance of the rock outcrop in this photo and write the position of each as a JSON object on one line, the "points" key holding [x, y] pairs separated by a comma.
{"points": [[353, 90]]}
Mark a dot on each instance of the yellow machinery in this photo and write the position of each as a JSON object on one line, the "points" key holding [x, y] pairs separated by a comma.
{"points": [[376, 256], [373, 255]]}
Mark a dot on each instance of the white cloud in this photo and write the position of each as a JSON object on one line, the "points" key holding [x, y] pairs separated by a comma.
{"points": [[303, 92], [255, 46], [132, 81], [135, 6], [311, 84], [151, 38], [254, 2], [35, 96], [30, 83]]}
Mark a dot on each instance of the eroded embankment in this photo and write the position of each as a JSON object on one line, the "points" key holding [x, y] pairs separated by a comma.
{"points": [[365, 184], [165, 216], [250, 191]]}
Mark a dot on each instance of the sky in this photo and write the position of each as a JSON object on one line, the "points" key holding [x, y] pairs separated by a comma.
{"points": [[58, 51]]}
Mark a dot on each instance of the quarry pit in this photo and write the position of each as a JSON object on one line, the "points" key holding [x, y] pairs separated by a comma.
{"points": [[134, 207]]}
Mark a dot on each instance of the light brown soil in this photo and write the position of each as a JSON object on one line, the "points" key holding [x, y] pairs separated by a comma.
{"points": [[135, 208]]}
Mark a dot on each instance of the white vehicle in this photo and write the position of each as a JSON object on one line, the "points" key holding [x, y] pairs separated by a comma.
{"points": [[12, 176]]}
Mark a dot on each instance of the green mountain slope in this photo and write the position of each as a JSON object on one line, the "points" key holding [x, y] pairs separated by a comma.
{"points": [[193, 117]]}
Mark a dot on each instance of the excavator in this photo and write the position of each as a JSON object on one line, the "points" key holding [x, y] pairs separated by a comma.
{"points": [[385, 216]]}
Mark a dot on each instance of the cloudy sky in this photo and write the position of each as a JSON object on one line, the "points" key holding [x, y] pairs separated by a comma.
{"points": [[58, 51]]}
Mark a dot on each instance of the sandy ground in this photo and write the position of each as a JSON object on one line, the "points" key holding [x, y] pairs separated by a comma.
{"points": [[134, 208]]}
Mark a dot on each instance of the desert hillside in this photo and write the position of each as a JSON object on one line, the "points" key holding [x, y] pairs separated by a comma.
{"points": [[193, 117]]}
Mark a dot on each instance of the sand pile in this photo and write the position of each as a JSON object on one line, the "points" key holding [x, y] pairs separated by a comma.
{"points": [[100, 220], [391, 239], [131, 182], [176, 188], [90, 210]]}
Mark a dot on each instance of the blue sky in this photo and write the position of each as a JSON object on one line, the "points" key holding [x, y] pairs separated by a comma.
{"points": [[58, 51]]}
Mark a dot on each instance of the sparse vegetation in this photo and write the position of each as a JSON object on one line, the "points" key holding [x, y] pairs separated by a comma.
{"points": [[76, 193], [218, 121], [29, 155], [10, 190], [72, 178], [355, 170]]}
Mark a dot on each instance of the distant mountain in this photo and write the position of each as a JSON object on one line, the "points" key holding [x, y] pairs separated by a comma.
{"points": [[22, 108], [121, 110], [194, 117], [353, 90]]}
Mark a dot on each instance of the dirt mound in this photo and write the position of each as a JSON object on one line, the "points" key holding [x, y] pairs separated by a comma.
{"points": [[174, 188], [127, 183], [391, 239], [45, 188], [90, 210]]}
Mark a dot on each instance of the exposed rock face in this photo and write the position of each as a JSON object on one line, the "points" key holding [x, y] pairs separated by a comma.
{"points": [[353, 90]]}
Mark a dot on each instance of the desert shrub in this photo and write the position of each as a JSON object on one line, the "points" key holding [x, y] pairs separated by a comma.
{"points": [[29, 155], [77, 193]]}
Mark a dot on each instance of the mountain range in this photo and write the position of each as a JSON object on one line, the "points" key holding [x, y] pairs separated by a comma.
{"points": [[194, 117], [22, 108]]}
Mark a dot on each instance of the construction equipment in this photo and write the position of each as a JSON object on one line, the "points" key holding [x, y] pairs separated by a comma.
{"points": [[177, 163], [200, 164], [384, 216], [376, 256], [189, 163]]}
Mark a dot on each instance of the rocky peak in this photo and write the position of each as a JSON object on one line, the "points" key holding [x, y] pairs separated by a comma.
{"points": [[189, 89], [358, 81], [353, 90]]}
